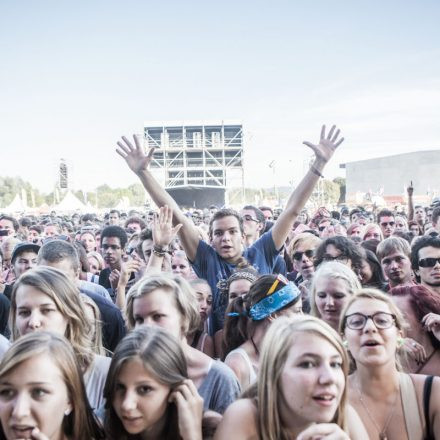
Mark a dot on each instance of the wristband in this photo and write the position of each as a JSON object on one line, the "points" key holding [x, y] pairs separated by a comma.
{"points": [[160, 252], [316, 172]]}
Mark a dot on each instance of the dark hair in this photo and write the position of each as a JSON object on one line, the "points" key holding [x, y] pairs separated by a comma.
{"points": [[377, 280], [162, 356], [146, 234], [354, 211], [263, 208], [115, 211], [348, 249], [435, 215], [57, 250], [11, 219], [235, 328], [245, 326], [88, 218], [25, 222], [258, 213], [384, 213], [423, 301], [420, 243], [135, 219], [225, 212], [36, 228], [115, 231], [371, 245], [414, 223]]}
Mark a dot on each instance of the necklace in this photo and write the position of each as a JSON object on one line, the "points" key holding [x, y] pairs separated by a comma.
{"points": [[382, 433]]}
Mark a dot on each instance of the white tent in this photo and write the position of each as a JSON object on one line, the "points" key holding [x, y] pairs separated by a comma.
{"points": [[70, 203], [16, 205]]}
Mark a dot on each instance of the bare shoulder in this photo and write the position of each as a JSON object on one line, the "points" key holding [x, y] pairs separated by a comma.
{"points": [[239, 422], [356, 428]]}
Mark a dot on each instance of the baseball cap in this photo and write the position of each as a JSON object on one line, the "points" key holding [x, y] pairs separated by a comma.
{"points": [[23, 247]]}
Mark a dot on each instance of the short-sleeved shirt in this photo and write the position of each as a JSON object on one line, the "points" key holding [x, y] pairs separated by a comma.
{"points": [[220, 388], [209, 265]]}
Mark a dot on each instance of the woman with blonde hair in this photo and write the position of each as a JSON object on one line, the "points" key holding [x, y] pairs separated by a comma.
{"points": [[372, 231], [332, 285], [169, 302], [392, 405], [96, 262], [300, 392], [44, 298], [42, 395]]}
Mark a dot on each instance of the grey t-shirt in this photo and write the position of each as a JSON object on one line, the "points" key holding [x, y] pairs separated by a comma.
{"points": [[220, 388]]}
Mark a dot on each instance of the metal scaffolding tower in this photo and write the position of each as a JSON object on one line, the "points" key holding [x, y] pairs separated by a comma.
{"points": [[195, 157]]}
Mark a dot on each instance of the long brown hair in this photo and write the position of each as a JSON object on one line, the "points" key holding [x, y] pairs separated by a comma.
{"points": [[80, 424], [162, 356]]}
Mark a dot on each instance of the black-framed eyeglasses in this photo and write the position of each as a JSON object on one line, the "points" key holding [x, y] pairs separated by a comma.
{"points": [[428, 262], [382, 320], [298, 255], [249, 218]]}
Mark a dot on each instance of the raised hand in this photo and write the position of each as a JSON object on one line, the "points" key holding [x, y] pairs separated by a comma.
{"points": [[162, 228], [327, 144], [189, 410], [135, 157], [410, 189]]}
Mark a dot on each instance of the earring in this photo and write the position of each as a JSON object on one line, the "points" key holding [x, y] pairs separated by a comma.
{"points": [[399, 341], [345, 343], [67, 412]]}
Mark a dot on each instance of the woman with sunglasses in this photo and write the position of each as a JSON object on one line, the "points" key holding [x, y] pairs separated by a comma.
{"points": [[247, 321], [391, 404]]}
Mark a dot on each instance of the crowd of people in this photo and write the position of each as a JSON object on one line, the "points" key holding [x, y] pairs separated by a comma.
{"points": [[215, 323]]}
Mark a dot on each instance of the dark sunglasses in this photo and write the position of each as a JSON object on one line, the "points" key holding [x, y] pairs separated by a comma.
{"points": [[298, 255], [385, 224], [429, 262]]}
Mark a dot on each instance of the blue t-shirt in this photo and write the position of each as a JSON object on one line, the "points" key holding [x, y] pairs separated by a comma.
{"points": [[209, 265]]}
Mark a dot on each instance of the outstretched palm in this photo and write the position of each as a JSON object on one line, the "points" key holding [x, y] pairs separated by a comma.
{"points": [[327, 144], [135, 157]]}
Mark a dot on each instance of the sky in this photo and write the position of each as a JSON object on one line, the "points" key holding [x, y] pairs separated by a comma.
{"points": [[75, 76]]}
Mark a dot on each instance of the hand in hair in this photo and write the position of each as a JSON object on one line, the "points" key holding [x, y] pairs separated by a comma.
{"points": [[135, 157], [323, 431], [327, 144], [162, 229], [414, 350], [189, 410], [431, 322]]}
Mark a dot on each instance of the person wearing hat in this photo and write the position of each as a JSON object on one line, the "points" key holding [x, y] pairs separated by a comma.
{"points": [[23, 258]]}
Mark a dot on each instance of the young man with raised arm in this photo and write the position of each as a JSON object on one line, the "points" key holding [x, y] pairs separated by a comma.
{"points": [[216, 261]]}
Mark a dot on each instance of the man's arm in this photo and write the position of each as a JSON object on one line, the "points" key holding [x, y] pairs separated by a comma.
{"points": [[410, 192], [139, 162], [323, 152]]}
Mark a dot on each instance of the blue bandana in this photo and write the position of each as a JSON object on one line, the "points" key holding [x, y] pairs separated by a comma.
{"points": [[276, 301]]}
